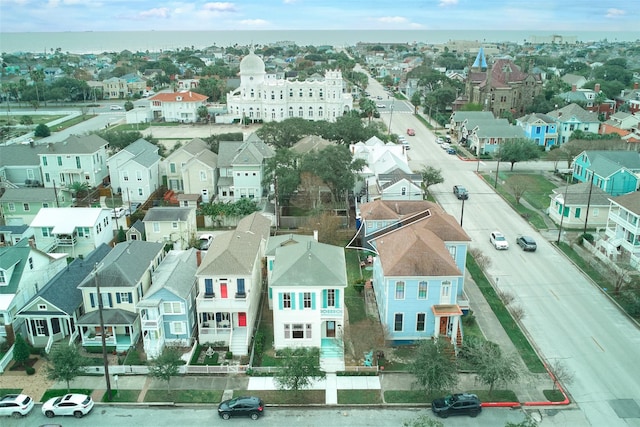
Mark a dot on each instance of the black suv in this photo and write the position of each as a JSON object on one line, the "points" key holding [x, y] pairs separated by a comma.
{"points": [[460, 192], [457, 404], [245, 406]]}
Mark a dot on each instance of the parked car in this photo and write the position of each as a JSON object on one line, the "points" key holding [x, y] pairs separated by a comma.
{"points": [[116, 107], [457, 404], [245, 406], [444, 146], [498, 240], [527, 243], [205, 241], [411, 132], [74, 404], [451, 151], [460, 192], [15, 405], [117, 212], [439, 141], [380, 105]]}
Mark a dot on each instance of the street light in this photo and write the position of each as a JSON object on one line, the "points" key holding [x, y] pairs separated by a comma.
{"points": [[391, 117]]}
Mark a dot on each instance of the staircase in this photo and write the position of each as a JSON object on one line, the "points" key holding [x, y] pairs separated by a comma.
{"points": [[331, 355], [238, 344]]}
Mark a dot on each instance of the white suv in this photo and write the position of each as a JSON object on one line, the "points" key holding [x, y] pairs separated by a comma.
{"points": [[498, 240], [16, 405]]}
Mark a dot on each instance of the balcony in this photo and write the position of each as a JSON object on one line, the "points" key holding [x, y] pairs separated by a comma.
{"points": [[66, 240], [149, 324]]}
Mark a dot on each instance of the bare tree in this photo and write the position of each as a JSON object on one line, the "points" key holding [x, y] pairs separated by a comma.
{"points": [[562, 374], [518, 184], [482, 260]]}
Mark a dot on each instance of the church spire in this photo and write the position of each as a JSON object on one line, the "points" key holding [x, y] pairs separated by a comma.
{"points": [[481, 61]]}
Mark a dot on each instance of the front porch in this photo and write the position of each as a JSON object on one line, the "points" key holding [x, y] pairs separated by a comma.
{"points": [[121, 329], [331, 355]]}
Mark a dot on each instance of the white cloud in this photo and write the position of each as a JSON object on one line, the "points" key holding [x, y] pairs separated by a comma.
{"points": [[444, 3], [612, 13], [220, 7], [392, 20], [159, 12]]}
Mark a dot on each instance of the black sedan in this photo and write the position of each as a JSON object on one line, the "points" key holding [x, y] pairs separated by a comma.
{"points": [[527, 243], [245, 406]]}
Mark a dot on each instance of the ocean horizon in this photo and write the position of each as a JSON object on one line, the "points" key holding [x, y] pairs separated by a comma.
{"points": [[155, 41]]}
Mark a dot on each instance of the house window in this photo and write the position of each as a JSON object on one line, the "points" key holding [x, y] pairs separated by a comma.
{"points": [[140, 192], [203, 175], [125, 176], [208, 288], [331, 298], [287, 331], [422, 290], [30, 263], [59, 161], [172, 308], [47, 177], [297, 331], [12, 207], [139, 175], [306, 300], [596, 212], [45, 204], [46, 231], [78, 165], [172, 167], [397, 322], [156, 227], [452, 251], [3, 278], [577, 214], [177, 328], [446, 289], [286, 300], [125, 297], [42, 307], [241, 290], [44, 161], [26, 207], [403, 191], [174, 225], [420, 322], [399, 290], [40, 327]]}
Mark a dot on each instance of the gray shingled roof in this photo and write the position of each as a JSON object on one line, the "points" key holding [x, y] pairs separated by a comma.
{"points": [[111, 316], [176, 273], [144, 152], [578, 194], [21, 155], [62, 290], [126, 264], [630, 201], [309, 264], [276, 242], [30, 194], [167, 214], [77, 144], [570, 111]]}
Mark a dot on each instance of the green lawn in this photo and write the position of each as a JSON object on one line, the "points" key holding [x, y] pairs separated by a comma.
{"points": [[422, 397], [122, 396], [4, 391], [184, 396], [353, 299], [283, 397], [359, 397], [55, 392]]}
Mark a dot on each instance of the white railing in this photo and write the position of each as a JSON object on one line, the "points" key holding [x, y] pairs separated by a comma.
{"points": [[216, 369], [73, 337], [47, 348], [6, 359]]}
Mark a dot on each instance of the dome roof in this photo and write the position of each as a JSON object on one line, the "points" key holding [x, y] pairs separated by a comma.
{"points": [[251, 64]]}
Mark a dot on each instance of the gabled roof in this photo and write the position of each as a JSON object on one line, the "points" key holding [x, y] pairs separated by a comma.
{"points": [[309, 264], [630, 202], [574, 112], [21, 155], [125, 265], [144, 153], [206, 157], [16, 257], [232, 153], [76, 144], [536, 118], [167, 214], [235, 251], [184, 96], [195, 146], [282, 240], [111, 316], [311, 143], [176, 273], [578, 194], [605, 163], [29, 194], [62, 291]]}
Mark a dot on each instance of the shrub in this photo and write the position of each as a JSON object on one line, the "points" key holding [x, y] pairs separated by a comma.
{"points": [[359, 285], [30, 370], [42, 131], [98, 349], [228, 355]]}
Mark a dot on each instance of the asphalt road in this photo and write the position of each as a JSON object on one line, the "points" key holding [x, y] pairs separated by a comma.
{"points": [[566, 316]]}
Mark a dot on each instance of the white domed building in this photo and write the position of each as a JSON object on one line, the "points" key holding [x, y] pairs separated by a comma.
{"points": [[270, 98]]}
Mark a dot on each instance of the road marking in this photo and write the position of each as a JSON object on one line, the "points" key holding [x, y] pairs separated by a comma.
{"points": [[598, 344], [554, 294]]}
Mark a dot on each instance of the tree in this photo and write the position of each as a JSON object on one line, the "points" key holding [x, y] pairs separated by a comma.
{"points": [[518, 184], [416, 100], [300, 367], [65, 364], [434, 367], [368, 107], [20, 350], [335, 166], [518, 150], [283, 167], [493, 367], [42, 131], [128, 106], [166, 366], [79, 189], [430, 176]]}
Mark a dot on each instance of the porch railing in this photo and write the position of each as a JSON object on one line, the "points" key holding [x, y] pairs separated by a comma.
{"points": [[47, 348]]}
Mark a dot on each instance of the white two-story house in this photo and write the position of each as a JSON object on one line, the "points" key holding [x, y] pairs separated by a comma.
{"points": [[179, 107], [230, 284], [171, 225], [135, 170]]}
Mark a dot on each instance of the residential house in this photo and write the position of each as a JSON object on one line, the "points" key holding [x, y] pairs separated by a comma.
{"points": [[399, 185], [573, 205], [279, 241], [630, 98], [20, 165], [21, 205], [572, 117], [167, 310], [418, 258], [593, 100], [241, 168], [230, 284], [621, 241], [122, 278], [199, 175], [307, 288], [179, 107], [626, 125], [79, 158], [173, 166], [136, 231], [52, 314], [12, 234], [123, 87], [170, 225], [615, 172], [135, 170], [74, 231], [540, 128], [574, 80], [486, 137], [23, 271]]}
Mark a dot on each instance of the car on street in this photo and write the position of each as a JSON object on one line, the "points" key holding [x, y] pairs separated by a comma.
{"points": [[460, 192], [457, 404], [205, 241], [245, 406], [380, 105], [451, 151], [527, 243], [74, 404], [15, 405], [439, 141], [498, 240], [411, 132], [444, 146], [116, 107]]}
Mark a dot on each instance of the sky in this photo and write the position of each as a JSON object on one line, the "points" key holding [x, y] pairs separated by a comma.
{"points": [[198, 15]]}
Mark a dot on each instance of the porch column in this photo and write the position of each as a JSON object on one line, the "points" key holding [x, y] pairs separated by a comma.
{"points": [[436, 329]]}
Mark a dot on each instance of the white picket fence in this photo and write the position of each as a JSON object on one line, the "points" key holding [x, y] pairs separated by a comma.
{"points": [[4, 362]]}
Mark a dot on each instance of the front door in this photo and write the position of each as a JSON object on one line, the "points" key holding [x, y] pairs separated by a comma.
{"points": [[242, 319], [443, 325], [223, 290], [331, 329]]}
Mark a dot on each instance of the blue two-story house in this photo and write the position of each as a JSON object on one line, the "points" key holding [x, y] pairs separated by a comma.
{"points": [[615, 172], [418, 256], [540, 128]]}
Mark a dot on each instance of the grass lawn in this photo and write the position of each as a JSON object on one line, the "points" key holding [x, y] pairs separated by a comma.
{"points": [[359, 397], [353, 299], [420, 396], [127, 396], [72, 122], [514, 332], [184, 396], [4, 391], [534, 217], [282, 397], [55, 392], [553, 395]]}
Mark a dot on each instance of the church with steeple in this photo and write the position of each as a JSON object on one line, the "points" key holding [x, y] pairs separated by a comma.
{"points": [[263, 97], [503, 86]]}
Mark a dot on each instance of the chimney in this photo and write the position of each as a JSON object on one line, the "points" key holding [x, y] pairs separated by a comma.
{"points": [[198, 258], [596, 89], [574, 88]]}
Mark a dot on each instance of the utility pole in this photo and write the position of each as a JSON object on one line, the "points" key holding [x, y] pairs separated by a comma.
{"points": [[103, 333], [462, 212], [564, 205], [586, 218]]}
